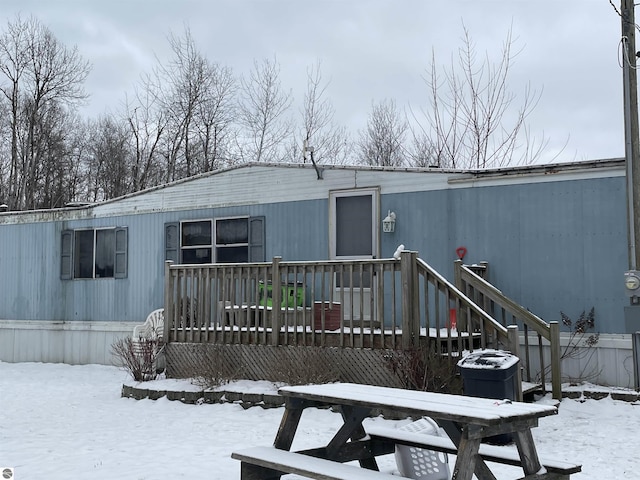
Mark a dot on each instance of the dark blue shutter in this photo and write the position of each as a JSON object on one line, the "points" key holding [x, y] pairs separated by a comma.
{"points": [[256, 239], [66, 257]]}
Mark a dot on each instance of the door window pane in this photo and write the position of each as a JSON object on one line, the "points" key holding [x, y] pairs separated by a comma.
{"points": [[354, 226]]}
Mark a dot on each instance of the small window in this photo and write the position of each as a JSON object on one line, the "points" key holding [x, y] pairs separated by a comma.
{"points": [[232, 240], [94, 253], [195, 241]]}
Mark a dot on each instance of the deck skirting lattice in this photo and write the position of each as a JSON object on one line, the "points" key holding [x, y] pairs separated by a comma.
{"points": [[268, 362]]}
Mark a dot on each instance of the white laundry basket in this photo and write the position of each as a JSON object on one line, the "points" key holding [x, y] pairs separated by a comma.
{"points": [[420, 463]]}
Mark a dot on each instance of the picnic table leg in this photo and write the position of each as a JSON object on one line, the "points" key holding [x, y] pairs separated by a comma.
{"points": [[289, 423], [352, 429], [481, 469], [466, 459], [527, 451], [255, 472]]}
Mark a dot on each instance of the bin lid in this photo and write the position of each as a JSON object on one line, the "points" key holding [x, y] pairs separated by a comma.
{"points": [[489, 359]]}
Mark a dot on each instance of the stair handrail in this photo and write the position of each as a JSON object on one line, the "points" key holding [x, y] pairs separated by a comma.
{"points": [[549, 331], [500, 329]]}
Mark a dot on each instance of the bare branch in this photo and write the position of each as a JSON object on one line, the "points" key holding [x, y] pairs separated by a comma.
{"points": [[382, 143], [262, 112], [472, 116]]}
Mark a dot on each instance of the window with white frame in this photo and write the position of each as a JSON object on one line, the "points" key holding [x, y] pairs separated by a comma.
{"points": [[220, 240], [94, 253]]}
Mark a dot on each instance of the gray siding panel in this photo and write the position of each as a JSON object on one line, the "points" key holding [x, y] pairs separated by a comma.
{"points": [[553, 243], [34, 290], [551, 246]]}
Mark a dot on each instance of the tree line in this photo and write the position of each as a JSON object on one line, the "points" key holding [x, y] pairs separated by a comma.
{"points": [[191, 115]]}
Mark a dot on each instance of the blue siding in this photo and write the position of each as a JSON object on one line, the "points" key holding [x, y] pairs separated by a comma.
{"points": [[34, 290], [552, 246], [558, 246]]}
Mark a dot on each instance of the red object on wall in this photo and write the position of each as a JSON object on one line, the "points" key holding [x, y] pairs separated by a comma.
{"points": [[331, 315], [461, 252]]}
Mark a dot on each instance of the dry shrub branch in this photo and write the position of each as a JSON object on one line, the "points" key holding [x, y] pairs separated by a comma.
{"points": [[140, 358], [420, 368]]}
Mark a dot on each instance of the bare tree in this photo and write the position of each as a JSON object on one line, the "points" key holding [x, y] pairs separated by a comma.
{"points": [[196, 99], [13, 65], [382, 143], [421, 151], [472, 118], [147, 123], [108, 159], [319, 131], [262, 113], [215, 120], [43, 81]]}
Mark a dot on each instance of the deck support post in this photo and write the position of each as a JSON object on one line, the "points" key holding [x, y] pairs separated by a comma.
{"points": [[556, 371], [168, 301], [276, 300], [410, 300], [514, 347]]}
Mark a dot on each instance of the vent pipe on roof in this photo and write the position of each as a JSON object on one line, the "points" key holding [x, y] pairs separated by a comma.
{"points": [[306, 148]]}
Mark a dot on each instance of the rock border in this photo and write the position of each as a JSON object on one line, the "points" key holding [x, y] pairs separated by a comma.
{"points": [[271, 400], [247, 400]]}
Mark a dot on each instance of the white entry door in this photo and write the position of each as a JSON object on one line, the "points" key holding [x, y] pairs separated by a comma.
{"points": [[354, 235]]}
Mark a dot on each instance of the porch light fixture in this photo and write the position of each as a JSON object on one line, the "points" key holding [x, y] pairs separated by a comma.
{"points": [[389, 222]]}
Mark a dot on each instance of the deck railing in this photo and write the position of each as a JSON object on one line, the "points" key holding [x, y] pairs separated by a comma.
{"points": [[469, 280], [371, 303]]}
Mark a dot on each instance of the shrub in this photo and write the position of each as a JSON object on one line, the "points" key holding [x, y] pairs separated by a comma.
{"points": [[142, 359], [582, 341], [304, 366], [213, 368], [420, 368]]}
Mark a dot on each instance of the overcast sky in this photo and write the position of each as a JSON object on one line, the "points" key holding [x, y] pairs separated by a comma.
{"points": [[370, 50]]}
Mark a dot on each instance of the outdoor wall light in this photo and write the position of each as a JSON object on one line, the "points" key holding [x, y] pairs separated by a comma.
{"points": [[632, 283], [389, 222]]}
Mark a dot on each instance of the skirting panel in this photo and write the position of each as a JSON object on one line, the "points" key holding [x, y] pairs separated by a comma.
{"points": [[283, 363], [74, 343]]}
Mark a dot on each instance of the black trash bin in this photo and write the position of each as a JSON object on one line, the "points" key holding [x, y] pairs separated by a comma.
{"points": [[490, 374]]}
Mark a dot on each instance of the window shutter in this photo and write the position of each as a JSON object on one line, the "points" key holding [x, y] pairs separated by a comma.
{"points": [[66, 257], [121, 260], [171, 242], [256, 239]]}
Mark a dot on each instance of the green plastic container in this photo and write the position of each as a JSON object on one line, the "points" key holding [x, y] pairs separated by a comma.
{"points": [[292, 295]]}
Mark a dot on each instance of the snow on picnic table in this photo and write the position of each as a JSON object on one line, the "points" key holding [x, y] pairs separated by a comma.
{"points": [[59, 421]]}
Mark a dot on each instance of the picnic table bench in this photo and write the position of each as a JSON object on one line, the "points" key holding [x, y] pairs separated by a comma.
{"points": [[466, 420]]}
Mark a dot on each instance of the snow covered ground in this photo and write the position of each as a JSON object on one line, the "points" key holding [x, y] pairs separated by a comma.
{"points": [[61, 422]]}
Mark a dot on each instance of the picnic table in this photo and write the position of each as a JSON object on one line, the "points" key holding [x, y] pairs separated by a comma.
{"points": [[466, 420]]}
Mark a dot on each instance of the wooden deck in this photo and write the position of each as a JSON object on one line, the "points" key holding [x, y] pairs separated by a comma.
{"points": [[376, 304]]}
